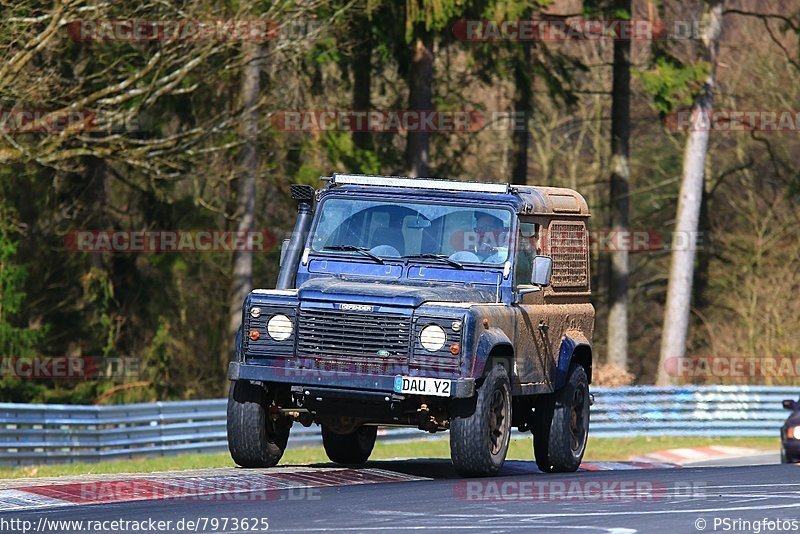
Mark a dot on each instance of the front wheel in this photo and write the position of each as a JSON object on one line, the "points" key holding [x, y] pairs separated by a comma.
{"points": [[350, 449], [561, 425], [255, 438], [479, 443]]}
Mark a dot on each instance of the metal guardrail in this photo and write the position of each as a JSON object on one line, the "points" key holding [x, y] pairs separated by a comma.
{"points": [[41, 433]]}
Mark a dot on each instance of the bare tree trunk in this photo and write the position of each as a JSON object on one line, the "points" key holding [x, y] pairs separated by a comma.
{"points": [[420, 98], [701, 274], [362, 78], [619, 203], [676, 316], [242, 282], [523, 106]]}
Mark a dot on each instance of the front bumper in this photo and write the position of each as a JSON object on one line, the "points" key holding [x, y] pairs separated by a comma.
{"points": [[792, 447], [459, 388]]}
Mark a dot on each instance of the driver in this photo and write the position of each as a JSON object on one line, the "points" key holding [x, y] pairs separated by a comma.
{"points": [[490, 235]]}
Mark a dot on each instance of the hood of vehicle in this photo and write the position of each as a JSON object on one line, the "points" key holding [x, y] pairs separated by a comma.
{"points": [[389, 294]]}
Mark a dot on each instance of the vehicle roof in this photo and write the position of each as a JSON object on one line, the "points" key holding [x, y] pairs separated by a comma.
{"points": [[526, 200]]}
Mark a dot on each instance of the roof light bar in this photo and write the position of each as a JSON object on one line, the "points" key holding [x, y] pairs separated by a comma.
{"points": [[418, 183]]}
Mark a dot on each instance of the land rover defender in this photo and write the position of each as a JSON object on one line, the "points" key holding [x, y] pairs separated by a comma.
{"points": [[429, 303]]}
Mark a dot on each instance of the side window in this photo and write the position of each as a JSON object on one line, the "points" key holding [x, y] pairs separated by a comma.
{"points": [[527, 246]]}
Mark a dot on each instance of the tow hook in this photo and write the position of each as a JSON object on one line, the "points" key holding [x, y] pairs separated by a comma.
{"points": [[428, 422], [274, 413]]}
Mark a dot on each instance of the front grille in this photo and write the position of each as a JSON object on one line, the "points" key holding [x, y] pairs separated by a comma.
{"points": [[332, 333], [569, 248]]}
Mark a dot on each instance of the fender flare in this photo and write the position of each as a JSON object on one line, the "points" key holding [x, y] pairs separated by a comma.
{"points": [[574, 342], [488, 341]]}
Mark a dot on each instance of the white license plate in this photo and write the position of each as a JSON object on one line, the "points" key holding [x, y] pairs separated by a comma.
{"points": [[422, 386]]}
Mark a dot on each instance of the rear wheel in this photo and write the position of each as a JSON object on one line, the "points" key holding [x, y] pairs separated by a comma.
{"points": [[479, 443], [353, 448], [561, 425], [255, 438]]}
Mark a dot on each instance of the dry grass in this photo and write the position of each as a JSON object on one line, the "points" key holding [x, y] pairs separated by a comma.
{"points": [[608, 375]]}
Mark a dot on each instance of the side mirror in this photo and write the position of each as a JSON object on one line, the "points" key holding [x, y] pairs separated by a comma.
{"points": [[790, 405], [284, 246], [542, 271]]}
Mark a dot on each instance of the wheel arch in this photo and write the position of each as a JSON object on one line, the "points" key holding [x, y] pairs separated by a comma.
{"points": [[494, 346], [502, 353], [574, 348]]}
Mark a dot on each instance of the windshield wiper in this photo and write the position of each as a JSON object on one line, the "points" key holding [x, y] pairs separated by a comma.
{"points": [[352, 248], [440, 257]]}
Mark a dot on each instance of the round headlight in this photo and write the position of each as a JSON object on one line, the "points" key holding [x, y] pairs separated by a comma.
{"points": [[432, 337], [279, 327]]}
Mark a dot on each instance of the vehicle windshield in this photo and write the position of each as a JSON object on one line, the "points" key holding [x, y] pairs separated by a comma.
{"points": [[461, 234]]}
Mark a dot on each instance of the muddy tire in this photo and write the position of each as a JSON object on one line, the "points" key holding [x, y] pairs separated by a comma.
{"points": [[561, 425], [349, 449], [479, 442], [254, 439]]}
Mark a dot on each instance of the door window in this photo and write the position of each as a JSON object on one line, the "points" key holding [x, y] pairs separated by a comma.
{"points": [[527, 248]]}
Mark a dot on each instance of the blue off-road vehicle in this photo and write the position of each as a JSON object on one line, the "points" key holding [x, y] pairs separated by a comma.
{"points": [[429, 303]]}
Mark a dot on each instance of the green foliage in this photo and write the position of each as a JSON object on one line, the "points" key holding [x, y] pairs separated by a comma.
{"points": [[433, 15], [609, 9], [160, 359], [342, 150], [15, 340], [673, 85], [98, 296], [326, 51]]}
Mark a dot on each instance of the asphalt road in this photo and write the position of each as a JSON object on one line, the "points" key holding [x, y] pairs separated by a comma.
{"points": [[621, 502]]}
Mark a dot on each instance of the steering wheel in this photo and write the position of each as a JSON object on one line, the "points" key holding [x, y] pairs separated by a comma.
{"points": [[465, 255], [385, 250]]}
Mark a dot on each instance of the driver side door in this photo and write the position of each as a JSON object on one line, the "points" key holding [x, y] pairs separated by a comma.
{"points": [[533, 355]]}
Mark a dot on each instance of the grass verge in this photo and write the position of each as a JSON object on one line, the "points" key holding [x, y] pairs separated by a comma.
{"points": [[599, 449]]}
